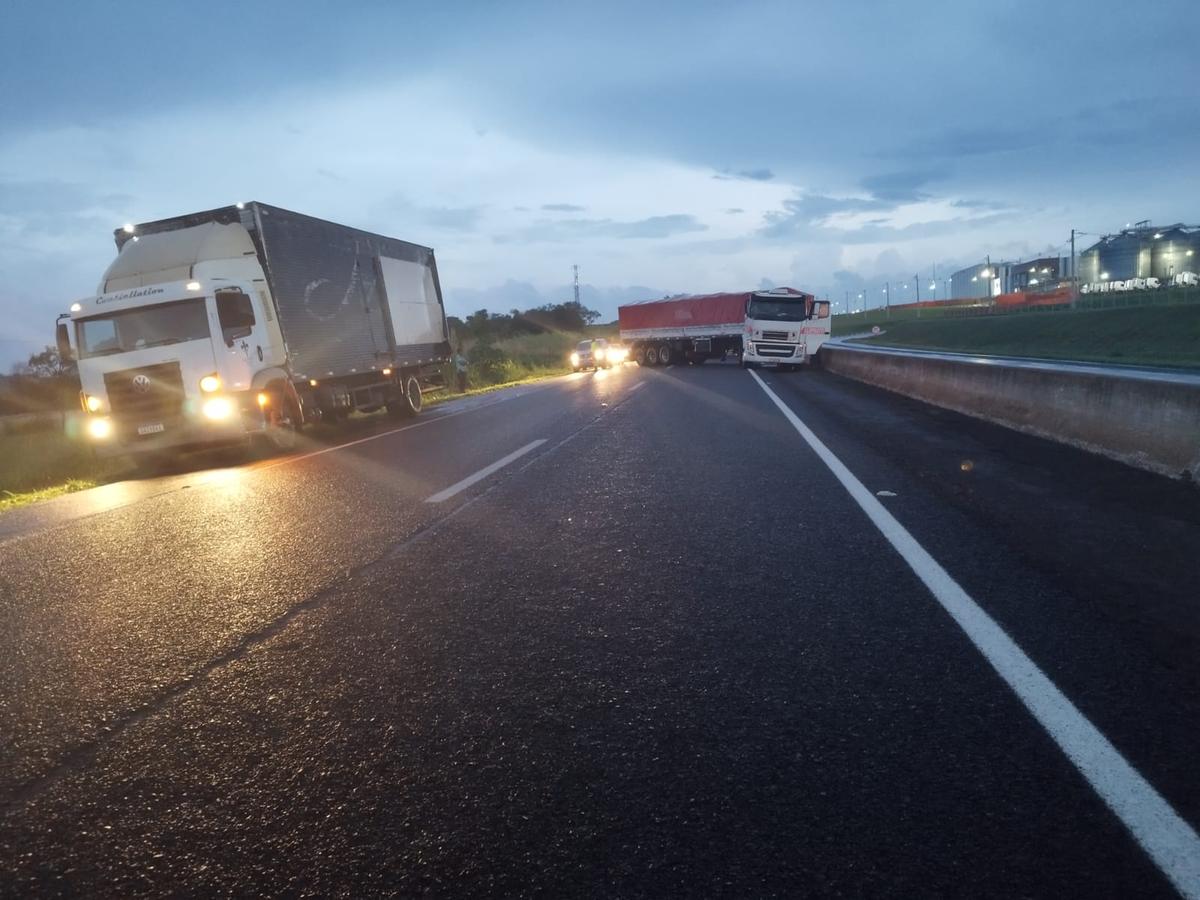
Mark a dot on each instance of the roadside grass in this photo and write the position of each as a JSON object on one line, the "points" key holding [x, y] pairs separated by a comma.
{"points": [[1147, 335], [36, 464]]}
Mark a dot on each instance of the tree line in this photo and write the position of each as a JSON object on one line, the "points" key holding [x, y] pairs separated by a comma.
{"points": [[482, 326]]}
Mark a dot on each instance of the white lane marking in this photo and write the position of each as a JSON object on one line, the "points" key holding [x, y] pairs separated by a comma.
{"points": [[1170, 841], [635, 387], [483, 473], [374, 437]]}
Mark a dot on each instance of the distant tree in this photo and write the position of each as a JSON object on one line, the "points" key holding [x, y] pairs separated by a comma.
{"points": [[46, 363]]}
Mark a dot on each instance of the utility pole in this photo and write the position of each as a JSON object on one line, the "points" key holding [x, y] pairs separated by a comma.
{"points": [[887, 290], [576, 268], [1074, 279], [917, 286]]}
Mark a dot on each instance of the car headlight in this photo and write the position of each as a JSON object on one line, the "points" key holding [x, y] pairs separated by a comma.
{"points": [[210, 384], [574, 359], [99, 429], [600, 353], [218, 408]]}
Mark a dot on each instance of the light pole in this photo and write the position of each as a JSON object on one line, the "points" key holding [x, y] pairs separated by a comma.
{"points": [[887, 290]]}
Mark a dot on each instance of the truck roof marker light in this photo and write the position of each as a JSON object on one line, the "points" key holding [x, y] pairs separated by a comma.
{"points": [[127, 228], [312, 382], [76, 307], [240, 205], [193, 285]]}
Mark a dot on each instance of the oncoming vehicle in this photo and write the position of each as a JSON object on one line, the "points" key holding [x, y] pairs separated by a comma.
{"points": [[591, 354], [617, 353]]}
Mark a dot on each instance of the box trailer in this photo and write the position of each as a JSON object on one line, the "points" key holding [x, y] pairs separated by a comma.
{"points": [[249, 321], [782, 326]]}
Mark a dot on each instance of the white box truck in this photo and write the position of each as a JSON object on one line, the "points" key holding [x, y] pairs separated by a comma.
{"points": [[248, 321]]}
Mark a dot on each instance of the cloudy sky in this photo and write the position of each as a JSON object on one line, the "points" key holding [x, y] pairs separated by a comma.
{"points": [[664, 147]]}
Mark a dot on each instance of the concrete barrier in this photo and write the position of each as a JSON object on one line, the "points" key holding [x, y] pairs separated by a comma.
{"points": [[1149, 420]]}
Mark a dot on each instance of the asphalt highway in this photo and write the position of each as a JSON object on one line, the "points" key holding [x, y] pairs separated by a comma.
{"points": [[648, 632]]}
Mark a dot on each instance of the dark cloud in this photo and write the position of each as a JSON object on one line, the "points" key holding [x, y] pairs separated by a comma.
{"points": [[562, 207], [744, 175], [979, 204], [901, 187], [582, 229]]}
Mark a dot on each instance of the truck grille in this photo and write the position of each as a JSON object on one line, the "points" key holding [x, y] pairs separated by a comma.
{"points": [[774, 335], [145, 396], [780, 350]]}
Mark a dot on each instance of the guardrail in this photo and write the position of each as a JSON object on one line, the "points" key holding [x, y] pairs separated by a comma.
{"points": [[1149, 419]]}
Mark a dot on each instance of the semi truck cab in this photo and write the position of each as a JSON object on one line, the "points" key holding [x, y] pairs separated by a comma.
{"points": [[784, 327]]}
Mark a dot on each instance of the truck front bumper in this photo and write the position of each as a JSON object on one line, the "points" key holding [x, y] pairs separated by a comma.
{"points": [[765, 354], [187, 432]]}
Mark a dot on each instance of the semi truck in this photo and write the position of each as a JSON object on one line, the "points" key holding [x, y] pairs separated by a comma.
{"points": [[244, 323], [780, 327]]}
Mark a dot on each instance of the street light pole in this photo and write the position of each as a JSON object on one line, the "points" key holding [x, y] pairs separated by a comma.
{"points": [[887, 290]]}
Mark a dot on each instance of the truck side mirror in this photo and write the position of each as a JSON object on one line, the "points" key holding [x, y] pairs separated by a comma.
{"points": [[62, 337]]}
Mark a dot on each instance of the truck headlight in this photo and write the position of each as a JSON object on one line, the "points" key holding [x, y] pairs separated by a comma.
{"points": [[99, 429], [92, 403], [210, 384], [217, 408], [600, 353], [574, 359]]}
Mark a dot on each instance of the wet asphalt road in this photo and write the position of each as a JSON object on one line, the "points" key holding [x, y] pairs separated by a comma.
{"points": [[660, 653]]}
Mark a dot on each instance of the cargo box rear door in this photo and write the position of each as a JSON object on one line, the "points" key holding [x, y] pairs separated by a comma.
{"points": [[410, 292]]}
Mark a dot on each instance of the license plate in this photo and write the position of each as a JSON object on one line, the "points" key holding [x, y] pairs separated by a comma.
{"points": [[150, 429]]}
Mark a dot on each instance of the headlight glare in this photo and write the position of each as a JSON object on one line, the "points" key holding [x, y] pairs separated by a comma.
{"points": [[210, 383], [218, 408], [99, 429]]}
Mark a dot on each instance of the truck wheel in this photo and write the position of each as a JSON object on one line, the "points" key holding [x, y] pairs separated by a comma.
{"points": [[281, 427], [408, 402], [664, 355], [648, 356]]}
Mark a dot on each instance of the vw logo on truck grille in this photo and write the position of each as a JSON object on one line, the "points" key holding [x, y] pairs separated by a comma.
{"points": [[141, 383]]}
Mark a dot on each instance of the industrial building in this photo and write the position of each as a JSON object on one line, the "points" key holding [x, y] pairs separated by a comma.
{"points": [[1142, 251], [992, 279]]}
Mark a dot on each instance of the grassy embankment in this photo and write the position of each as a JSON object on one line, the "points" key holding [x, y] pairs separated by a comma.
{"points": [[39, 461], [1146, 335]]}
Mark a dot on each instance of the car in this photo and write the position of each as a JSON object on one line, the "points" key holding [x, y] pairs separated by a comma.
{"points": [[592, 354]]}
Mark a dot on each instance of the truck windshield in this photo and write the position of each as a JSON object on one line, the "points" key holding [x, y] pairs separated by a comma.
{"points": [[778, 310], [146, 326]]}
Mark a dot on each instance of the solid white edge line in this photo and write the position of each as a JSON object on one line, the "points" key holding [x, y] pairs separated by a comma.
{"points": [[635, 387], [1170, 842], [483, 473]]}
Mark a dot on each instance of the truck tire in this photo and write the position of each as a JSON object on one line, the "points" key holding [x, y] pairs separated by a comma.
{"points": [[282, 429], [648, 356], [407, 400], [665, 356]]}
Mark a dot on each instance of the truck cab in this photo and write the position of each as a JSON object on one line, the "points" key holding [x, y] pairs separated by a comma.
{"points": [[784, 327], [180, 347]]}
